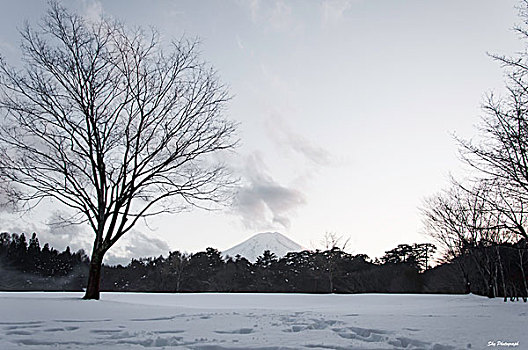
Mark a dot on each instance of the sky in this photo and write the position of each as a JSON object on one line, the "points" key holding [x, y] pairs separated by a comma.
{"points": [[347, 112]]}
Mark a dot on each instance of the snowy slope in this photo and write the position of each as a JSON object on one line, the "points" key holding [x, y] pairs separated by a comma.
{"points": [[253, 247], [46, 321]]}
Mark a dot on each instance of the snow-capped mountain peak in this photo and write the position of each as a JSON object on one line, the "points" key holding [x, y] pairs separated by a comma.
{"points": [[253, 247]]}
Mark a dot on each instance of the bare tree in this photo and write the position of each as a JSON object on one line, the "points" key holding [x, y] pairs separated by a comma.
{"points": [[467, 224], [334, 246], [492, 208], [106, 122], [499, 154], [332, 240]]}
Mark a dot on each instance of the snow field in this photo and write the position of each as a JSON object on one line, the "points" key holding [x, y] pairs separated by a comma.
{"points": [[258, 321]]}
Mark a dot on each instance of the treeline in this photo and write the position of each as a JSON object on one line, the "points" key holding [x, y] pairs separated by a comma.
{"points": [[24, 265], [405, 269], [492, 269], [330, 271]]}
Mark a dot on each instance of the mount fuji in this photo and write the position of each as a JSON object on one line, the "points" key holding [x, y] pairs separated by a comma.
{"points": [[253, 247]]}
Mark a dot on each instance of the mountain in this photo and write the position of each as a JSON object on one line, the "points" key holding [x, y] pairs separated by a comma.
{"points": [[254, 247]]}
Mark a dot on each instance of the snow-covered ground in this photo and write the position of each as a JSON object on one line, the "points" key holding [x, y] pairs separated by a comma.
{"points": [[259, 321]]}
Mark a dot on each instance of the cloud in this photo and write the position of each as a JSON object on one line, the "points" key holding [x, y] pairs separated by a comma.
{"points": [[263, 203], [280, 16], [92, 10], [7, 47], [254, 7], [59, 234], [332, 11], [277, 15], [136, 244], [239, 42], [51, 230], [133, 244], [291, 141]]}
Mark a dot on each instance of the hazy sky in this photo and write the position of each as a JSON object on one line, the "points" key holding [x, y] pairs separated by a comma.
{"points": [[347, 111]]}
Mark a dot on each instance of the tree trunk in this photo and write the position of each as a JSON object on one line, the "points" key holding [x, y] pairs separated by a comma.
{"points": [[523, 275], [501, 271], [465, 276], [94, 276]]}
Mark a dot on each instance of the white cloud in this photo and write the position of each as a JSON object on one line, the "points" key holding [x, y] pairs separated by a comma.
{"points": [[254, 7], [59, 234], [7, 47], [263, 203], [281, 16], [291, 141], [136, 244], [52, 230], [333, 10], [239, 42], [92, 10], [276, 15]]}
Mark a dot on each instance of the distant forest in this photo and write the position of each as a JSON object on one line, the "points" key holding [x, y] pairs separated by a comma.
{"points": [[492, 270]]}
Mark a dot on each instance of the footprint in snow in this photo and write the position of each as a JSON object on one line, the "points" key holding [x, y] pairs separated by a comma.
{"points": [[83, 321], [23, 326], [412, 329], [363, 334], [22, 323], [19, 332], [169, 332], [51, 330], [237, 331], [167, 318], [105, 331]]}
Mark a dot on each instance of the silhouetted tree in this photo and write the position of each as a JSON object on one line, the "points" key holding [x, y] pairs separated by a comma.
{"points": [[202, 269], [266, 259], [265, 272], [417, 255], [104, 121], [173, 270]]}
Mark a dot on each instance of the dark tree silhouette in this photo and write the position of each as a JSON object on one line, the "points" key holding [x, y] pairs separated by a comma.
{"points": [[32, 268], [104, 121], [496, 269], [417, 255]]}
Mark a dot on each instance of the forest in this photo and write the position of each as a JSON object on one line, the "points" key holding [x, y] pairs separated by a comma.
{"points": [[491, 270]]}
